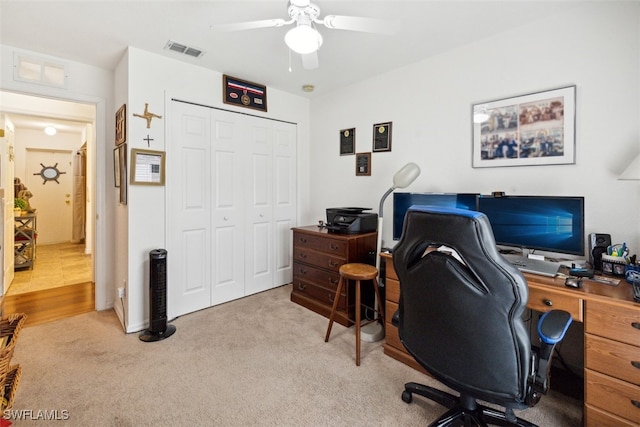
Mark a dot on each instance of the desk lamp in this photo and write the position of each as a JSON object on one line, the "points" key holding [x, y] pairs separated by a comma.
{"points": [[403, 178]]}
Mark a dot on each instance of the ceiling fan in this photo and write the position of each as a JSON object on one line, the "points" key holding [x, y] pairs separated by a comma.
{"points": [[304, 38]]}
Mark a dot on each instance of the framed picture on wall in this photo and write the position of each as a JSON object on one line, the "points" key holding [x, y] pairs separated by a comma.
{"points": [[533, 129], [363, 164], [347, 141], [382, 137], [244, 93], [121, 124], [120, 171], [147, 167]]}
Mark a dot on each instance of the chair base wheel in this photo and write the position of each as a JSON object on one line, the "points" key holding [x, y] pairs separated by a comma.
{"points": [[407, 397]]}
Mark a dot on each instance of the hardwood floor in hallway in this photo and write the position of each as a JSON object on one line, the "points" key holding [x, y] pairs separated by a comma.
{"points": [[59, 285]]}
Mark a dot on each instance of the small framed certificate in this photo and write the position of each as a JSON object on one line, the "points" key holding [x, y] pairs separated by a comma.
{"points": [[363, 164], [147, 167]]}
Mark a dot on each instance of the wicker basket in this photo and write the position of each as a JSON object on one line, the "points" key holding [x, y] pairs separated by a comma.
{"points": [[10, 328], [10, 387]]}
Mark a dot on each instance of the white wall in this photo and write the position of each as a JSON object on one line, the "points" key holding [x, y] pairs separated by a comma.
{"points": [[594, 46], [92, 85], [154, 79]]}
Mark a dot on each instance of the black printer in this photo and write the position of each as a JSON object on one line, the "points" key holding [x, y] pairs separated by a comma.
{"points": [[351, 220]]}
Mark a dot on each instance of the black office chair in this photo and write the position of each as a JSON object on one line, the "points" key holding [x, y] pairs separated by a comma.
{"points": [[460, 316]]}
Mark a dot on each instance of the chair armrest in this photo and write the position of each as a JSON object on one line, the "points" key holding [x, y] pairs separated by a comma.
{"points": [[552, 328], [395, 319]]}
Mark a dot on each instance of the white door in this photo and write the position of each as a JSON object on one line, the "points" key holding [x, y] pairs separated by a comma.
{"points": [[284, 200], [52, 198], [231, 206], [259, 203], [189, 213], [7, 184], [228, 206]]}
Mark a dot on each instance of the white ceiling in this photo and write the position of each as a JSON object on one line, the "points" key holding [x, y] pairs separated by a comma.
{"points": [[97, 33]]}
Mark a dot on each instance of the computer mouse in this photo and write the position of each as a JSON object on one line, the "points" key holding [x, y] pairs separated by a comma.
{"points": [[573, 282]]}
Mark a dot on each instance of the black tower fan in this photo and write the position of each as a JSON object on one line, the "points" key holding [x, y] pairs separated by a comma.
{"points": [[158, 328]]}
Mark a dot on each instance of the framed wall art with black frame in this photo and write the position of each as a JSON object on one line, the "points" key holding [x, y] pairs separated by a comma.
{"points": [[244, 93], [533, 129], [382, 137], [348, 141]]}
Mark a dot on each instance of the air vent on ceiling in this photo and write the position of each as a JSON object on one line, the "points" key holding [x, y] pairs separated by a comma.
{"points": [[180, 48]]}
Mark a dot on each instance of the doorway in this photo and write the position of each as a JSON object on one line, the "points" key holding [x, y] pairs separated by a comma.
{"points": [[61, 278]]}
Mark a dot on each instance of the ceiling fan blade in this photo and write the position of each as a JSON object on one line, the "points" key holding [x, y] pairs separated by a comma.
{"points": [[310, 61], [356, 23], [251, 25]]}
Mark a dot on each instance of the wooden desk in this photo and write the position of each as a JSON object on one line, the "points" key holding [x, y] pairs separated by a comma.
{"points": [[611, 340]]}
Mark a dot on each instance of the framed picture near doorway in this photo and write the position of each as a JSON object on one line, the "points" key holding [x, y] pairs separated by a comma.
{"points": [[120, 171], [121, 125]]}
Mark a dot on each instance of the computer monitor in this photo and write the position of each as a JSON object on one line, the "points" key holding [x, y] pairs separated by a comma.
{"points": [[547, 223], [403, 201]]}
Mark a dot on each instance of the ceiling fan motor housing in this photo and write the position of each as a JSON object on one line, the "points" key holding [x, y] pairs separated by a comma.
{"points": [[302, 11]]}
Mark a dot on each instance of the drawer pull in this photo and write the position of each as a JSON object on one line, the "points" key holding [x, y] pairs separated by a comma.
{"points": [[548, 302], [333, 281], [302, 255], [334, 264], [303, 271], [635, 403], [331, 297], [635, 364], [636, 325], [302, 240], [302, 287], [333, 246]]}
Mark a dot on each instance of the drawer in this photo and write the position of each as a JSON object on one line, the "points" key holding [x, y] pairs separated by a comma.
{"points": [[613, 321], [391, 270], [595, 417], [612, 358], [544, 300], [321, 244], [325, 278], [319, 293], [319, 259], [612, 395], [392, 290]]}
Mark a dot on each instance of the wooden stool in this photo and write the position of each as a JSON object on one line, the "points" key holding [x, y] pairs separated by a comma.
{"points": [[357, 272]]}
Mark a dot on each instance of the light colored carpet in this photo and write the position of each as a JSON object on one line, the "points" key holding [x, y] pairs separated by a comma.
{"points": [[260, 360]]}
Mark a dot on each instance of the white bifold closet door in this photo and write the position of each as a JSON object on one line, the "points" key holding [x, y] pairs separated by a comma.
{"points": [[231, 203]]}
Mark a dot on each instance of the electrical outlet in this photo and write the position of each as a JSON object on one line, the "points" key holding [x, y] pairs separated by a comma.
{"points": [[121, 292]]}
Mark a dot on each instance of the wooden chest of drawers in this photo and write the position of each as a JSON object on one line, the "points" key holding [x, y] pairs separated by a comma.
{"points": [[317, 257], [392, 346], [612, 364]]}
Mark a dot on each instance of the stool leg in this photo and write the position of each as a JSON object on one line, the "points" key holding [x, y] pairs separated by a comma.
{"points": [[358, 321], [333, 309], [380, 303]]}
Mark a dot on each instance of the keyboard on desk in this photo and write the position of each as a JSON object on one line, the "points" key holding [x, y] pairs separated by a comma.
{"points": [[534, 266]]}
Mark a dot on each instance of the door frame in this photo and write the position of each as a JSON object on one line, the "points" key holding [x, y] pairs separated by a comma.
{"points": [[99, 227]]}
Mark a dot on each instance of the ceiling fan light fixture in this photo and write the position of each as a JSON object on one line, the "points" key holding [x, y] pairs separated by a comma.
{"points": [[303, 39]]}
